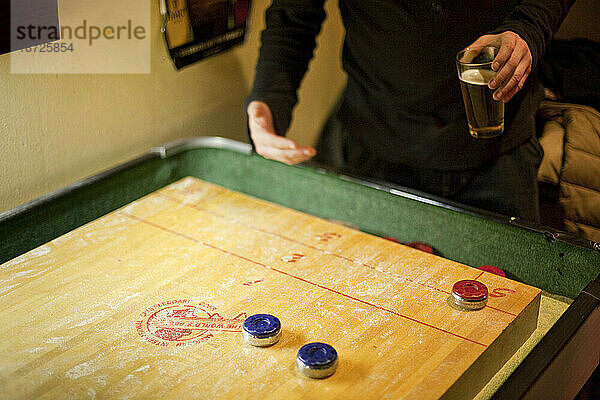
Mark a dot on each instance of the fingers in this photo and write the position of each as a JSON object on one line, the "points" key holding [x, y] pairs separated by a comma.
{"points": [[505, 52], [515, 84], [287, 156], [485, 40], [270, 145], [513, 63]]}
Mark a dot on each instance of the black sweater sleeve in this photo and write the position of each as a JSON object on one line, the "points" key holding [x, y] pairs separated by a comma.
{"points": [[288, 42], [536, 22]]}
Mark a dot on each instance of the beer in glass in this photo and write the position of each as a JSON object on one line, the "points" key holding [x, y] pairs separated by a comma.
{"points": [[485, 116]]}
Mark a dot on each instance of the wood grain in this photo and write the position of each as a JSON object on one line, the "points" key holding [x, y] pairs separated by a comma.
{"points": [[147, 302]]}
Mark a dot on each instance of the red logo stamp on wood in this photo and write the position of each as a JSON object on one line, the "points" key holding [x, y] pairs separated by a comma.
{"points": [[182, 322]]}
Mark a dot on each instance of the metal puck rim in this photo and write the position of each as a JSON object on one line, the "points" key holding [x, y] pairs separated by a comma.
{"points": [[273, 331], [317, 372], [470, 305], [261, 341]]}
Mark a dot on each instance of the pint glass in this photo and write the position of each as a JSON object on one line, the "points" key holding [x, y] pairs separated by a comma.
{"points": [[485, 116]]}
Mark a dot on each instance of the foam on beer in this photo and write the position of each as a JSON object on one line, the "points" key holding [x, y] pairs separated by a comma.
{"points": [[477, 76]]}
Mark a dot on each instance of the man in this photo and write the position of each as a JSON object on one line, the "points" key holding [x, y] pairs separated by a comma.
{"points": [[401, 117]]}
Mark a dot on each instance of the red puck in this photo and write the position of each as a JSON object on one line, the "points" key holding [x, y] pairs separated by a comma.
{"points": [[391, 239], [421, 246], [469, 294], [492, 270]]}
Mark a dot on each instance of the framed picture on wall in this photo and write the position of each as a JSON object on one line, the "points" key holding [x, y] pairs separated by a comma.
{"points": [[196, 29], [27, 23]]}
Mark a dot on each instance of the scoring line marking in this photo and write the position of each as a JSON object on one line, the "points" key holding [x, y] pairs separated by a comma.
{"points": [[195, 207], [165, 229], [478, 276]]}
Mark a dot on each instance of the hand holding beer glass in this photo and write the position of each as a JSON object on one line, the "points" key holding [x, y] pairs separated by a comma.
{"points": [[485, 116]]}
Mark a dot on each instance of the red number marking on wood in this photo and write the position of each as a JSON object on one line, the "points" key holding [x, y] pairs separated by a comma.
{"points": [[250, 283], [293, 258], [327, 236]]}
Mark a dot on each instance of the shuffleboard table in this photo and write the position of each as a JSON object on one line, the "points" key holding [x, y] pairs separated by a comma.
{"points": [[135, 283]]}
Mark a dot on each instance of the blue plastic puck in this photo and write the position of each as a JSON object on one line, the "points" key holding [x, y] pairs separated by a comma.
{"points": [[261, 330], [317, 360]]}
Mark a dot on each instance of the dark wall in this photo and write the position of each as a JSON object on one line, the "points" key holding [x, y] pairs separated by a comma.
{"points": [[583, 21]]}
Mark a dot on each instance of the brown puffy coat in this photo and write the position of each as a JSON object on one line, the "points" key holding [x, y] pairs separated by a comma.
{"points": [[571, 142]]}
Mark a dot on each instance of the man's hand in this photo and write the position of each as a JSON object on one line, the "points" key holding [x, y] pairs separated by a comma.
{"points": [[270, 145], [513, 63]]}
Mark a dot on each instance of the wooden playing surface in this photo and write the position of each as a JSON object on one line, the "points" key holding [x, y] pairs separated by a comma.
{"points": [[148, 301]]}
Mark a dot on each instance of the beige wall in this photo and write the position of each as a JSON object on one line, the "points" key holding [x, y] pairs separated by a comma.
{"points": [[59, 128]]}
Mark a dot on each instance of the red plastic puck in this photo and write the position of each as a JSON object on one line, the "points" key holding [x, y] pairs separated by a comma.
{"points": [[469, 295], [492, 270], [470, 290], [391, 239], [421, 246]]}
